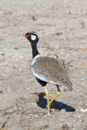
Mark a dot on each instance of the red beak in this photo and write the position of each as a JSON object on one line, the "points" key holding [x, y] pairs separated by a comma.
{"points": [[24, 35]]}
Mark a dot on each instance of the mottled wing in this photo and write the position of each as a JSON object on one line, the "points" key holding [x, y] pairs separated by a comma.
{"points": [[50, 70]]}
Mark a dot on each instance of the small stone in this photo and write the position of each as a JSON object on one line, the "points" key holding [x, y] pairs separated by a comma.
{"points": [[65, 127], [1, 91]]}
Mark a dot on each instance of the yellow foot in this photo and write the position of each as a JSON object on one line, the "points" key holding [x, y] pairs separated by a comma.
{"points": [[47, 115]]}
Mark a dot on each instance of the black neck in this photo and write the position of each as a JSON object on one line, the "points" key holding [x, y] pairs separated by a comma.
{"points": [[34, 49]]}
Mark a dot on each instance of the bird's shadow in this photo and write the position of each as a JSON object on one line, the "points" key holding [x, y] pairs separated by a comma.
{"points": [[42, 102]]}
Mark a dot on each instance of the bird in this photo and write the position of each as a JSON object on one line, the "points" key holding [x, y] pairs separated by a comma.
{"points": [[47, 70]]}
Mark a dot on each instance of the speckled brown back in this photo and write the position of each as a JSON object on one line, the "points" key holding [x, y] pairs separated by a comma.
{"points": [[51, 70]]}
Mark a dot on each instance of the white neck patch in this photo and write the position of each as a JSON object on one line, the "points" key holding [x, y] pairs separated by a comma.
{"points": [[33, 37], [35, 58]]}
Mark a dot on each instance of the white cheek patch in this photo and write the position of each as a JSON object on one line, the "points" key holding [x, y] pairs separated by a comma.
{"points": [[33, 37]]}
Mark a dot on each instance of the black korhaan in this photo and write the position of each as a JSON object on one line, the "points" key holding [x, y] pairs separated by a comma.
{"points": [[47, 69]]}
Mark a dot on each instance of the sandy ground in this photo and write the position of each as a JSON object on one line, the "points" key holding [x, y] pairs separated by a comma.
{"points": [[22, 99]]}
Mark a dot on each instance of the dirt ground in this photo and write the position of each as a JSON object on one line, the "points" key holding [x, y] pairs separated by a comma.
{"points": [[22, 99]]}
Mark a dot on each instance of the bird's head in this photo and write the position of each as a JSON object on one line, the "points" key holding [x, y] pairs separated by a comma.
{"points": [[31, 36]]}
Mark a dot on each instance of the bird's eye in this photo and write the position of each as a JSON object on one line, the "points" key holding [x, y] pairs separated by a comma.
{"points": [[29, 35]]}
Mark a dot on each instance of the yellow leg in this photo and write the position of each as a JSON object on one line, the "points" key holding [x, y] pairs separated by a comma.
{"points": [[58, 93], [47, 95]]}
